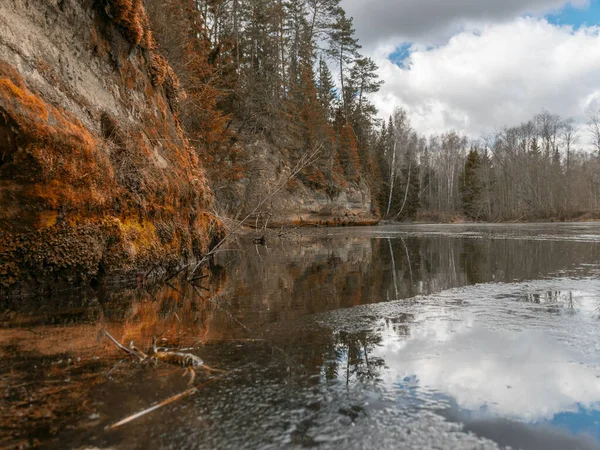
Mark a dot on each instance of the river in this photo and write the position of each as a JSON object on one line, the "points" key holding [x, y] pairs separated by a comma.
{"points": [[399, 337]]}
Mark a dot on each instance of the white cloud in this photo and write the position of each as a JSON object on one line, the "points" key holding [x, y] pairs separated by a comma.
{"points": [[501, 74], [521, 376], [496, 355], [428, 21]]}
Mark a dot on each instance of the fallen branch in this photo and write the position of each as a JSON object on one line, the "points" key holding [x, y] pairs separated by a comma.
{"points": [[172, 399], [306, 160], [130, 352]]}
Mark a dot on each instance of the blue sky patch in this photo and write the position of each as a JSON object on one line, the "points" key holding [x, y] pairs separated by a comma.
{"points": [[582, 421], [577, 17], [401, 55]]}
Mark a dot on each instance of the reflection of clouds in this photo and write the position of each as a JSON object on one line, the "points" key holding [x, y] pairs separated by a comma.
{"points": [[512, 434], [523, 375]]}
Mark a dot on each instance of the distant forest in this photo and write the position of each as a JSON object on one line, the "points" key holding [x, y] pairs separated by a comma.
{"points": [[291, 72]]}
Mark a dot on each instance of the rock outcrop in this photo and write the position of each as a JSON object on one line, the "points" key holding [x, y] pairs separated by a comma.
{"points": [[295, 202], [95, 173]]}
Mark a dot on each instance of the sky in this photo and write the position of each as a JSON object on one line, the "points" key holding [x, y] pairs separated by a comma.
{"points": [[476, 66]]}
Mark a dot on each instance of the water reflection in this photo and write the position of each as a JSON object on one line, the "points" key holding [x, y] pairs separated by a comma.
{"points": [[322, 274], [513, 434], [517, 350], [561, 302], [352, 357], [522, 376], [533, 387]]}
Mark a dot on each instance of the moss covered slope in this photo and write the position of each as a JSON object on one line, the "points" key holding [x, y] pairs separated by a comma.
{"points": [[95, 173]]}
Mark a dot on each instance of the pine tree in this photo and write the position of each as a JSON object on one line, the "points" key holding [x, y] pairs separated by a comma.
{"points": [[471, 186], [189, 50], [534, 150], [364, 80], [343, 48], [347, 149], [326, 89], [321, 13]]}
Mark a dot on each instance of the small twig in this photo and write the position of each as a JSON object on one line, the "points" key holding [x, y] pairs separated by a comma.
{"points": [[200, 278], [113, 368], [130, 352], [135, 349], [160, 405], [212, 369], [151, 270]]}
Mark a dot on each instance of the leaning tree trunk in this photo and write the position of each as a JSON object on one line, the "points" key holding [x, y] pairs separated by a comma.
{"points": [[392, 177], [405, 191]]}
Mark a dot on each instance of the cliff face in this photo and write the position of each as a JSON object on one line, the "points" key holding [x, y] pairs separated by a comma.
{"points": [[95, 173], [297, 202]]}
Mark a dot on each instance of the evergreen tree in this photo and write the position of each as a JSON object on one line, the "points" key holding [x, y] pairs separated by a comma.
{"points": [[326, 89], [534, 150], [343, 48], [363, 81], [471, 186], [260, 62]]}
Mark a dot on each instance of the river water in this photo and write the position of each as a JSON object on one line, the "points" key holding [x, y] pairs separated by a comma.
{"points": [[400, 337]]}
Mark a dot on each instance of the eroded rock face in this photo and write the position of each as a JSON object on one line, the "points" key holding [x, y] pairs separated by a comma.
{"points": [[295, 203], [95, 173]]}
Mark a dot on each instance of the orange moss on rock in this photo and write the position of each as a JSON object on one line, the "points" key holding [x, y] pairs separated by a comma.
{"points": [[55, 163], [131, 16], [15, 95], [76, 205], [158, 70], [121, 192]]}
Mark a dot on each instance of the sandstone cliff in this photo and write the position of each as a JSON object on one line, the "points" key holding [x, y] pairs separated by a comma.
{"points": [[297, 202], [95, 173]]}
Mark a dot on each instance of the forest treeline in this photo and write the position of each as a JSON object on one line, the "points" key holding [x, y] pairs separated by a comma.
{"points": [[535, 170], [263, 68], [291, 72]]}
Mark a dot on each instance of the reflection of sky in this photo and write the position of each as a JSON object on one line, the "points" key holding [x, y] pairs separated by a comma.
{"points": [[521, 373], [581, 421], [520, 376]]}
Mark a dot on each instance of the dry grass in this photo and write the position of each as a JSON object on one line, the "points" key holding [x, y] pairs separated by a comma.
{"points": [[158, 70], [439, 217]]}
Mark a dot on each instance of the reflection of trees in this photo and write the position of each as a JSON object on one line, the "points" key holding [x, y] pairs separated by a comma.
{"points": [[427, 264], [553, 301], [350, 357], [257, 298], [474, 260], [344, 271], [400, 324]]}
